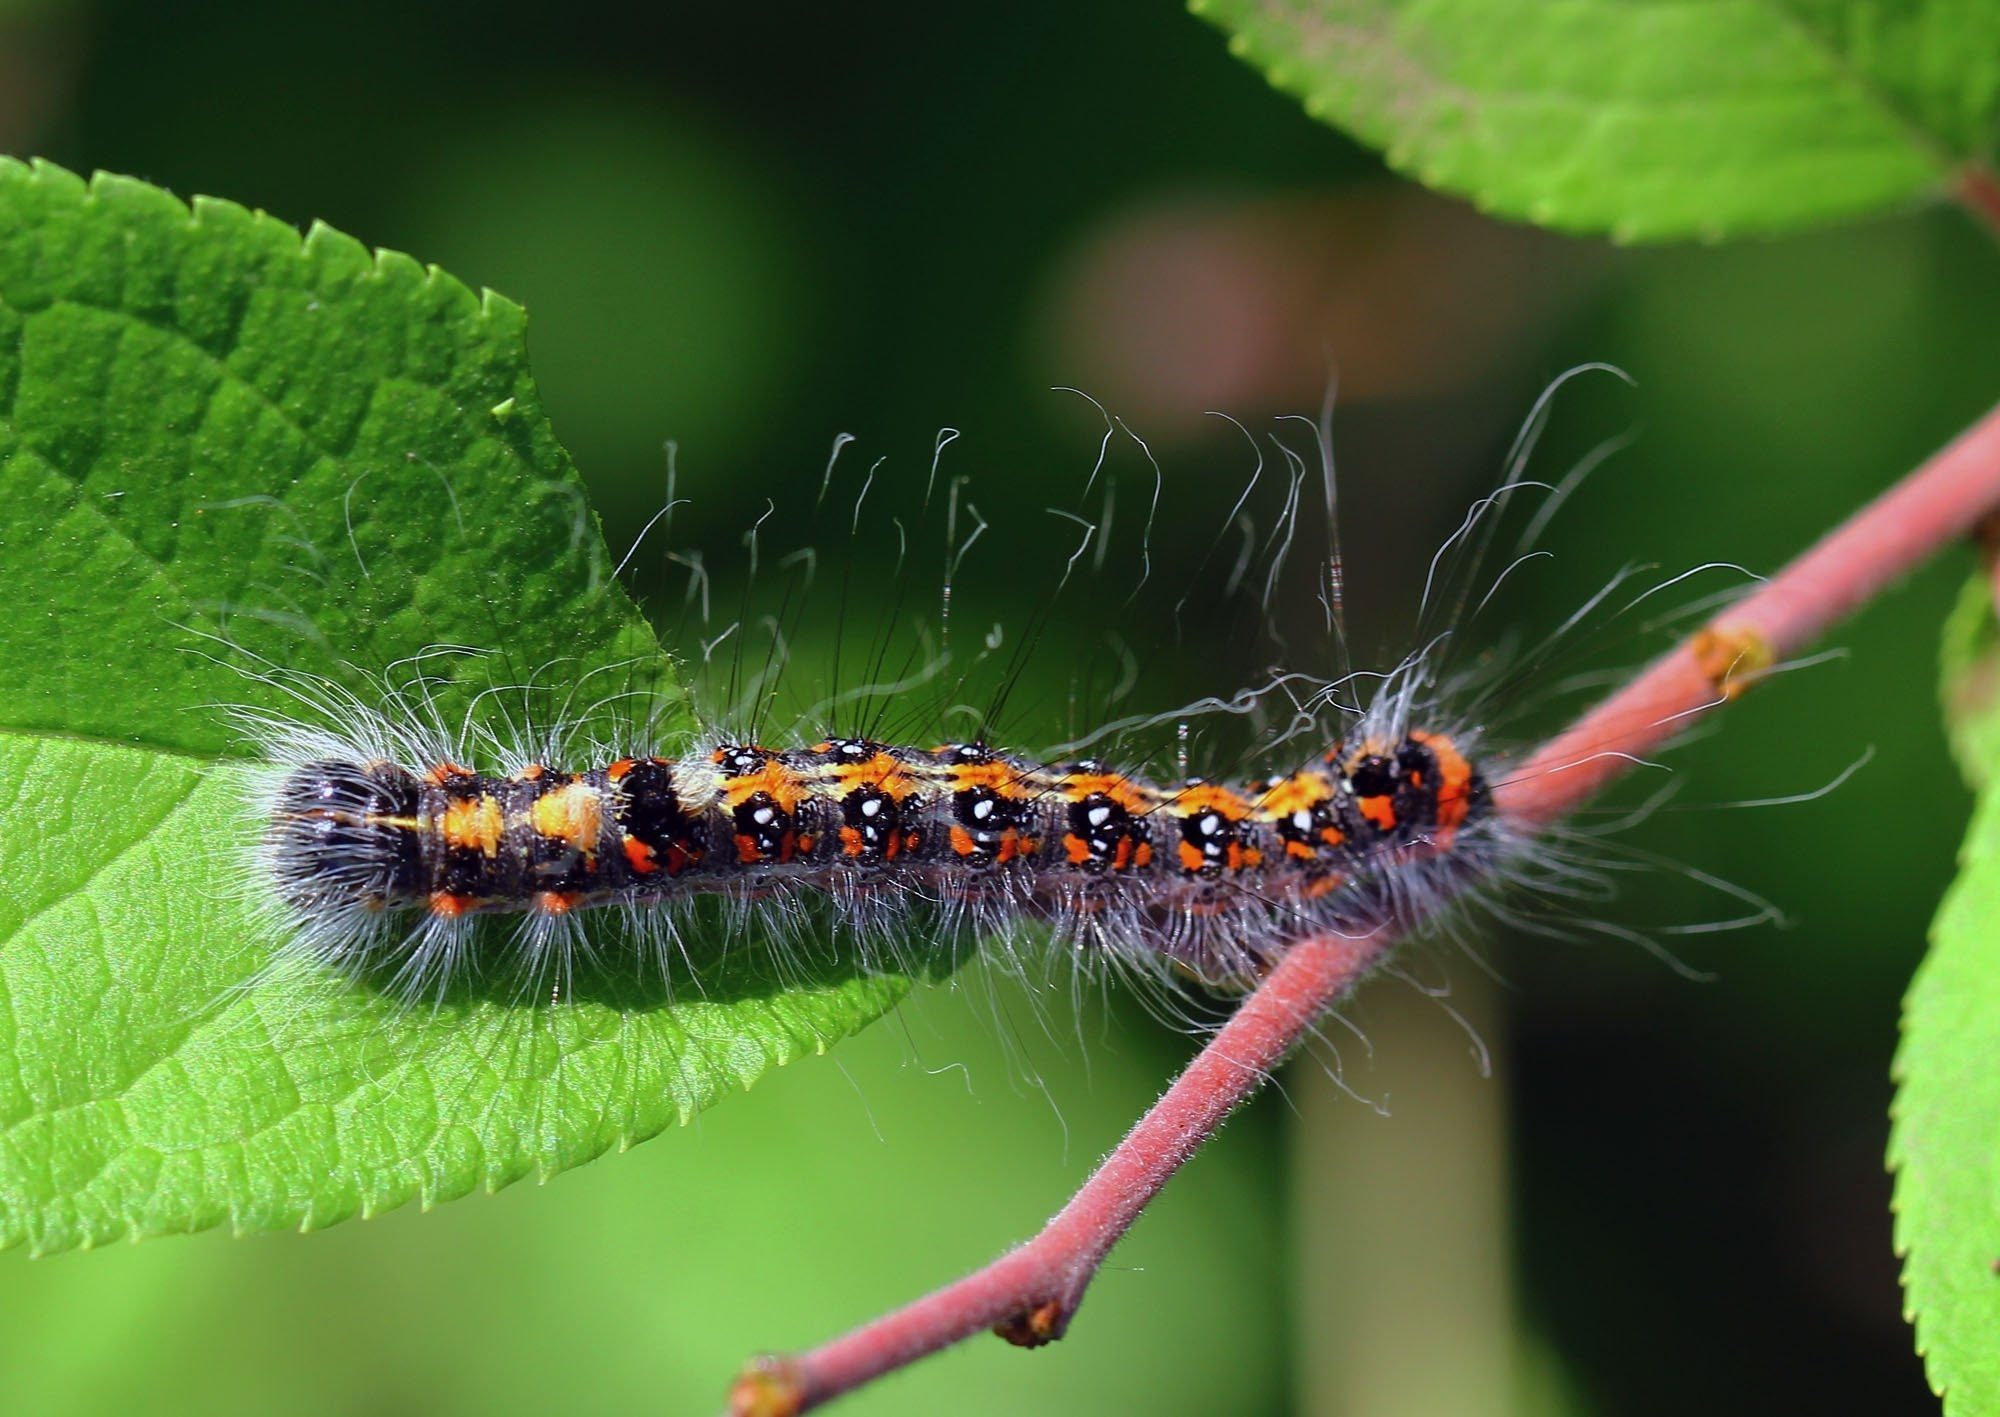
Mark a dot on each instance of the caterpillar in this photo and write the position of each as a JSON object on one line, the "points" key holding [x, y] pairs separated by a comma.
{"points": [[1201, 872], [393, 849]]}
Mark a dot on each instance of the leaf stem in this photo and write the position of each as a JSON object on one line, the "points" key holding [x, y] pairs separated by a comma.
{"points": [[1030, 1294]]}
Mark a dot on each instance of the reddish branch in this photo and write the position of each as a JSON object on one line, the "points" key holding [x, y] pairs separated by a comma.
{"points": [[1030, 1294], [1945, 499]]}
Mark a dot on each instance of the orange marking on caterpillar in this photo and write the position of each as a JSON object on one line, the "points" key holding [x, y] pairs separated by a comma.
{"points": [[1288, 795], [1075, 786], [474, 823], [1379, 810], [1201, 800], [450, 906], [1001, 778], [748, 853], [640, 857], [1209, 797], [439, 774], [882, 771], [573, 814], [1453, 798], [1731, 659], [558, 902], [1300, 795], [784, 786]]}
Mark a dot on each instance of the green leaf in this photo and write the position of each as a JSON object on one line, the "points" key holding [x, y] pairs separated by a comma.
{"points": [[1705, 118], [224, 446], [1970, 688], [1945, 1141]]}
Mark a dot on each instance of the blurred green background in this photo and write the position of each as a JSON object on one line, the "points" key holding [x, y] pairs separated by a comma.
{"points": [[750, 232]]}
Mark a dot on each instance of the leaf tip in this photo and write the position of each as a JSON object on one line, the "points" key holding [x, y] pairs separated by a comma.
{"points": [[114, 189], [389, 266], [495, 306], [328, 245]]}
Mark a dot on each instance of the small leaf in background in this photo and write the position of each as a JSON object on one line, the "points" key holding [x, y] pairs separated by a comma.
{"points": [[1709, 118], [220, 441], [1945, 1141]]}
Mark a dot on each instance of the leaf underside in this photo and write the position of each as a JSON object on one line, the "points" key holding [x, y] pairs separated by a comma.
{"points": [[223, 445], [1704, 118], [1945, 1139]]}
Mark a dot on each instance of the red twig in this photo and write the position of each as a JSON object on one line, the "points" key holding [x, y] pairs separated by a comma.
{"points": [[1978, 191], [1942, 501], [1030, 1294]]}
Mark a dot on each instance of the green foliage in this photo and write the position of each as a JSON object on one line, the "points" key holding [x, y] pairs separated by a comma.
{"points": [[781, 1216], [1971, 684], [1709, 118], [220, 446], [1945, 1144]]}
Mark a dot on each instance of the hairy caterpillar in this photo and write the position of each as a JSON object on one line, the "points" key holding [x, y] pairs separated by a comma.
{"points": [[1211, 876], [397, 849]]}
